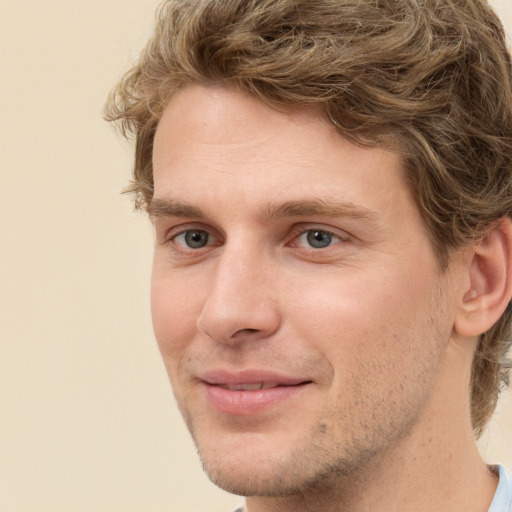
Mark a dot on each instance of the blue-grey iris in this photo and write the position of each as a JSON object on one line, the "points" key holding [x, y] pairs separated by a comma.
{"points": [[196, 239], [319, 239]]}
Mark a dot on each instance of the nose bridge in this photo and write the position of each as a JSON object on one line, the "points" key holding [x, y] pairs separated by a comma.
{"points": [[240, 301], [236, 271]]}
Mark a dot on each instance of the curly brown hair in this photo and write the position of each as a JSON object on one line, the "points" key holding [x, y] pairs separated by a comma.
{"points": [[430, 79]]}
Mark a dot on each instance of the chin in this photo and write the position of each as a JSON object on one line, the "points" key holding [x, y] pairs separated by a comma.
{"points": [[254, 465], [243, 464], [266, 479]]}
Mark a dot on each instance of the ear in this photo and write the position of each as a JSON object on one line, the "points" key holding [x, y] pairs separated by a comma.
{"points": [[490, 282]]}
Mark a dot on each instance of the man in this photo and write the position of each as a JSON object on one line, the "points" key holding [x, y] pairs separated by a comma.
{"points": [[330, 185]]}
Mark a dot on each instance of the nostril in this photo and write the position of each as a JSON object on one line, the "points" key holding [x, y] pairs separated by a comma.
{"points": [[246, 331]]}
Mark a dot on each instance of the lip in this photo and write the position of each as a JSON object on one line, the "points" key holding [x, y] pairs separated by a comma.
{"points": [[233, 393]]}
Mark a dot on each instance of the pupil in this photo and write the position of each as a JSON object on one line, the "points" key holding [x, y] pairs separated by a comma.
{"points": [[196, 239], [319, 239]]}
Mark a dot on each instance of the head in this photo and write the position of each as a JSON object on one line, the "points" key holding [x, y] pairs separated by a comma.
{"points": [[429, 80]]}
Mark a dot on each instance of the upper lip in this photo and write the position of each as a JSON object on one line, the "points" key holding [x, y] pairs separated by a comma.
{"points": [[238, 379]]}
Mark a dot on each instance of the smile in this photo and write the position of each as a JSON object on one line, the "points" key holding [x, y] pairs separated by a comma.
{"points": [[255, 386], [250, 393]]}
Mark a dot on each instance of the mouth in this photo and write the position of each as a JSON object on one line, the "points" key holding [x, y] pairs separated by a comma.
{"points": [[250, 392], [250, 380], [253, 386]]}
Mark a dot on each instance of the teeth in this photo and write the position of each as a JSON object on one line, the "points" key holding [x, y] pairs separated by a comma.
{"points": [[249, 387], [254, 386], [267, 385]]}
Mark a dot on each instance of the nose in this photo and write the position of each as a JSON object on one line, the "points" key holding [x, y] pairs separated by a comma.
{"points": [[240, 305]]}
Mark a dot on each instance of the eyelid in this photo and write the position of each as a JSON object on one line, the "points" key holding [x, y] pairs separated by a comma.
{"points": [[172, 229], [301, 229], [172, 234]]}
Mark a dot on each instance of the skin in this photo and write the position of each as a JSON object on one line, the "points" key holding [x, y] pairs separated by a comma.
{"points": [[282, 247]]}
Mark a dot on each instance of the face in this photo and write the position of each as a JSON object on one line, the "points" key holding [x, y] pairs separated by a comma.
{"points": [[296, 299]]}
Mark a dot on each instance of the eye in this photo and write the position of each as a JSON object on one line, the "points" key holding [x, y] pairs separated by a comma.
{"points": [[316, 239], [193, 238]]}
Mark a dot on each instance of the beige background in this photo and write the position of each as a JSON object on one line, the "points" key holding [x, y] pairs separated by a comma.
{"points": [[87, 418]]}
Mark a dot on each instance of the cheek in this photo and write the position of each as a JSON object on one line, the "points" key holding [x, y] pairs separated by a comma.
{"points": [[332, 307], [354, 320], [379, 342], [174, 312]]}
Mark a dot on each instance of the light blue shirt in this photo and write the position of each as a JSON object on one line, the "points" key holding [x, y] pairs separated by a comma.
{"points": [[502, 501]]}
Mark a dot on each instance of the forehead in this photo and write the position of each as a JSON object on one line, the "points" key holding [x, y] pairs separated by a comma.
{"points": [[211, 115], [215, 143]]}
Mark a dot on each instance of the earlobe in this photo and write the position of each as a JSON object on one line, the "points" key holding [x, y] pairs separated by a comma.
{"points": [[490, 282]]}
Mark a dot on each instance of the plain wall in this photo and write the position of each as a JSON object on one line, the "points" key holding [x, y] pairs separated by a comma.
{"points": [[87, 417]]}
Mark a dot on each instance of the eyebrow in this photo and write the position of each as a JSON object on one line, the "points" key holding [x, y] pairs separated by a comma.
{"points": [[317, 207], [172, 208], [159, 207]]}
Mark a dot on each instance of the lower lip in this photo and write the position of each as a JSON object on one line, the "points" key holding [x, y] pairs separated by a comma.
{"points": [[245, 403]]}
